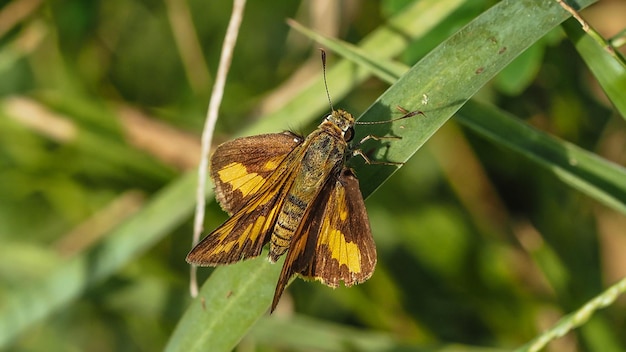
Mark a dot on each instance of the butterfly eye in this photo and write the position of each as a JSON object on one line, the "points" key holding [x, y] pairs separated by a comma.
{"points": [[348, 134]]}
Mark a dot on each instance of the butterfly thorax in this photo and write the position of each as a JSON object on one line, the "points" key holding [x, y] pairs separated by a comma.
{"points": [[324, 152]]}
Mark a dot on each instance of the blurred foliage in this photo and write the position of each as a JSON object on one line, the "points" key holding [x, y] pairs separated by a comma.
{"points": [[101, 107]]}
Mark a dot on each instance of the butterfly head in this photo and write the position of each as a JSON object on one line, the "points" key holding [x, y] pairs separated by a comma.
{"points": [[344, 121]]}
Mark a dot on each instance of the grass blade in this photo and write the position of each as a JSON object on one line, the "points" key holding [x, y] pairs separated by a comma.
{"points": [[585, 171], [577, 318]]}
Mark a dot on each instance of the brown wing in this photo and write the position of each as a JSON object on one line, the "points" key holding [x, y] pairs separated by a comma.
{"points": [[245, 232], [334, 242], [240, 167]]}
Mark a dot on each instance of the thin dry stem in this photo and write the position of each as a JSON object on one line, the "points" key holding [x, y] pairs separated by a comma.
{"points": [[207, 134], [574, 14]]}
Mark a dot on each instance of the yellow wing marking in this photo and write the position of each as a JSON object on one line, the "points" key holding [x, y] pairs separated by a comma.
{"points": [[273, 163], [237, 175], [251, 232], [344, 252], [343, 213]]}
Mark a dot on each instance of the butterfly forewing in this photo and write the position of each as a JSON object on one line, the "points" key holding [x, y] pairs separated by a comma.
{"points": [[249, 228], [239, 168]]}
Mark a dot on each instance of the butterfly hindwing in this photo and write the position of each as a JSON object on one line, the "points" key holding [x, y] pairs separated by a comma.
{"points": [[345, 249], [239, 168], [334, 242]]}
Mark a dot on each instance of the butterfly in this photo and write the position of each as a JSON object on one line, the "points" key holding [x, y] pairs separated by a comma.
{"points": [[297, 194]]}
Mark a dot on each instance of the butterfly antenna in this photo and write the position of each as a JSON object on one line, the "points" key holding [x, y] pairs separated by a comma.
{"points": [[406, 115], [326, 83]]}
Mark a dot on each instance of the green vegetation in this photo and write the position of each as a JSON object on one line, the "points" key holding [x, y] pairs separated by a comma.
{"points": [[508, 215]]}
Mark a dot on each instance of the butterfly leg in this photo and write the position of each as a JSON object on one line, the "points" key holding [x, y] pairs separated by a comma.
{"points": [[360, 153], [377, 138]]}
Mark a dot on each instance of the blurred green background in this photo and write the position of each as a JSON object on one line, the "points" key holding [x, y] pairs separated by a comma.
{"points": [[102, 104]]}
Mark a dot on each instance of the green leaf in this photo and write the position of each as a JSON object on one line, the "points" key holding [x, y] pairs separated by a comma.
{"points": [[229, 304], [449, 76]]}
